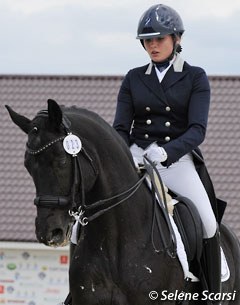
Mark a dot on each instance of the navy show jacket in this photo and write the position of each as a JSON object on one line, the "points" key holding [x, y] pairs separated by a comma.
{"points": [[173, 113]]}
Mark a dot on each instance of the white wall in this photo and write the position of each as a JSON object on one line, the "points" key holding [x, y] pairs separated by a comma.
{"points": [[33, 274]]}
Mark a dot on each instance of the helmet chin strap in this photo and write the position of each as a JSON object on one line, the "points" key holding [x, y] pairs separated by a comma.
{"points": [[177, 48]]}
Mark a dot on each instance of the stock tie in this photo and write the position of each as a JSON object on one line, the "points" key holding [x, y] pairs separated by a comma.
{"points": [[161, 66]]}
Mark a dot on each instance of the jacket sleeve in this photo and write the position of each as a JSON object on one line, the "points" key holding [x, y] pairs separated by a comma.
{"points": [[124, 111], [198, 109]]}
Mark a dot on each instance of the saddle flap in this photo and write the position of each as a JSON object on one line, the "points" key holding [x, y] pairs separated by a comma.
{"points": [[189, 225]]}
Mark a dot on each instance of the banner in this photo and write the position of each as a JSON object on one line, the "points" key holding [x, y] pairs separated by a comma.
{"points": [[33, 277]]}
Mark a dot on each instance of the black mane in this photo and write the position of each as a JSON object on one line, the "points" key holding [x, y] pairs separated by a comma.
{"points": [[98, 122]]}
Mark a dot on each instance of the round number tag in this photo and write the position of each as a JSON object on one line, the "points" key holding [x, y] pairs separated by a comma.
{"points": [[72, 144]]}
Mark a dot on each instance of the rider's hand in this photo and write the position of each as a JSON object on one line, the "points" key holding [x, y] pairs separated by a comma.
{"points": [[156, 153]]}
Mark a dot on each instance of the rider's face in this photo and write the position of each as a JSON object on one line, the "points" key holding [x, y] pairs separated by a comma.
{"points": [[159, 48]]}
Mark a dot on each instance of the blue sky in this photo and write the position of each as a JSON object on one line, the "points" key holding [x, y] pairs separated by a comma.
{"points": [[98, 36]]}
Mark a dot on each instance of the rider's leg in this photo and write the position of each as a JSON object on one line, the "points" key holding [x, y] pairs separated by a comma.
{"points": [[182, 178]]}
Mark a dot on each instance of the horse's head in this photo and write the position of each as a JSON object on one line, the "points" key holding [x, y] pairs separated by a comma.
{"points": [[54, 172]]}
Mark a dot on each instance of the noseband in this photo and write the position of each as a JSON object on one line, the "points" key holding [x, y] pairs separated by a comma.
{"points": [[76, 204]]}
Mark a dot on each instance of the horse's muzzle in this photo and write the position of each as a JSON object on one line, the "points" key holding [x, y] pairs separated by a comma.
{"points": [[53, 236]]}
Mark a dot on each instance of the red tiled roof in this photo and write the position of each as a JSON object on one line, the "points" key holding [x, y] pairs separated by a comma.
{"points": [[28, 94], [222, 145]]}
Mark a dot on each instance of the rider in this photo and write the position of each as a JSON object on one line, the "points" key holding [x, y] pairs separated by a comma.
{"points": [[162, 111]]}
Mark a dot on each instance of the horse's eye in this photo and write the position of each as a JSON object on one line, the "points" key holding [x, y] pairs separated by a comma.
{"points": [[34, 130]]}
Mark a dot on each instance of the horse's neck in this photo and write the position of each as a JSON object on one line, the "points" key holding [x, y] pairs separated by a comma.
{"points": [[117, 174], [132, 217]]}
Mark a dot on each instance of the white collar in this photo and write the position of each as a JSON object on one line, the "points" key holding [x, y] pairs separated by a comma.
{"points": [[177, 63]]}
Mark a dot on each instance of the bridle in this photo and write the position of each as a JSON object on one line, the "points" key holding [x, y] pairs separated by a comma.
{"points": [[78, 208], [82, 212]]}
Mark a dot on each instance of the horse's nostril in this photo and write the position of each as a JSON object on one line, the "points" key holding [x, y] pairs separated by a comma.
{"points": [[57, 233], [57, 237]]}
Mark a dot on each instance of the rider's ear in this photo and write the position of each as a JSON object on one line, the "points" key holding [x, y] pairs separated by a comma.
{"points": [[20, 120], [54, 113]]}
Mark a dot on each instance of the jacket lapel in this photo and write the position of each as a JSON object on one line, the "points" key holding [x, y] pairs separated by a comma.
{"points": [[171, 78], [175, 73], [150, 79]]}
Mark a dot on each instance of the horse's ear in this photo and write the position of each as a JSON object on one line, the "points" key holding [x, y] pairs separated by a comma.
{"points": [[54, 113], [20, 120]]}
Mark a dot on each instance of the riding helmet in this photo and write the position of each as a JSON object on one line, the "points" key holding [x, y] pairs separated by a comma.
{"points": [[158, 21]]}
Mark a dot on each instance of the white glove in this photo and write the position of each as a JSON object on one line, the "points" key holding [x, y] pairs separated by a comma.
{"points": [[156, 153]]}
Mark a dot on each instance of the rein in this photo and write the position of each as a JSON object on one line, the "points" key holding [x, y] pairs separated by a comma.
{"points": [[160, 206], [79, 215]]}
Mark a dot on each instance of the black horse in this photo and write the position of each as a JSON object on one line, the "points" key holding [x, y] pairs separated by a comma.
{"points": [[114, 261]]}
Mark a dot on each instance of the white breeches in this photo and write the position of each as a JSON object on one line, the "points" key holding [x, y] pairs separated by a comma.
{"points": [[182, 178]]}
